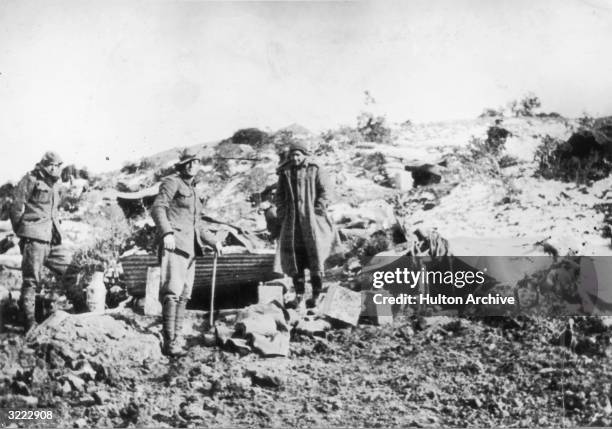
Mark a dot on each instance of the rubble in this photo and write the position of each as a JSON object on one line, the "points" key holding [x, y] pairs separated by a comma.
{"points": [[341, 304]]}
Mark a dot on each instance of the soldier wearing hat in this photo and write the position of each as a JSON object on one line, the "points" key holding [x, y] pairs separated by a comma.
{"points": [[35, 220], [176, 213], [306, 232]]}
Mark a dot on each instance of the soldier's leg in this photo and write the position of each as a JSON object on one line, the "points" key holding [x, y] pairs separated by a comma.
{"points": [[33, 254], [173, 271], [299, 284], [58, 260], [301, 259], [183, 299], [316, 280]]}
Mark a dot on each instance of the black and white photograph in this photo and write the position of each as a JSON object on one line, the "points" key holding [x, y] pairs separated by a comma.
{"points": [[305, 214]]}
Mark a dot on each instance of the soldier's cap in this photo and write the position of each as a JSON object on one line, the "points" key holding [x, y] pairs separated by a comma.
{"points": [[51, 157], [299, 146], [186, 156]]}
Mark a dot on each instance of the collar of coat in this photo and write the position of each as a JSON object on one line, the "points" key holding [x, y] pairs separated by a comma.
{"points": [[40, 174], [287, 166], [192, 184]]}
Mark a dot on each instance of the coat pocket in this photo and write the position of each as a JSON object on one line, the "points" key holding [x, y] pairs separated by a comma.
{"points": [[41, 195], [182, 199]]}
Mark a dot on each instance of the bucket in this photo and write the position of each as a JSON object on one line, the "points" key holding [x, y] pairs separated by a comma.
{"points": [[96, 293]]}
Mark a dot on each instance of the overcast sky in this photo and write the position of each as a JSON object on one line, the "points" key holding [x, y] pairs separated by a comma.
{"points": [[122, 79]]}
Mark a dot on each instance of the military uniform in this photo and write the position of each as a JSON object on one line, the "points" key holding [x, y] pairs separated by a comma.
{"points": [[306, 233], [176, 211], [35, 220]]}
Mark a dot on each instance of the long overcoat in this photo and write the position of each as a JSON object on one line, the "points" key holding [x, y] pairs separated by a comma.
{"points": [[312, 193]]}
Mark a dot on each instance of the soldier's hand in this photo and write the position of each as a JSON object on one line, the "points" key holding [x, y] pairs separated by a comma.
{"points": [[169, 242], [218, 248]]}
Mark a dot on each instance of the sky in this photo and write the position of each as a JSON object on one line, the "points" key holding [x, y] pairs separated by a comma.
{"points": [[103, 82]]}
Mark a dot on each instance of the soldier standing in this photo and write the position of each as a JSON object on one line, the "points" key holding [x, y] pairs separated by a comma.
{"points": [[35, 220], [176, 213], [306, 235]]}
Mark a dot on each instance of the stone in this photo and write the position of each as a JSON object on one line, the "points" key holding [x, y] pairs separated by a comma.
{"points": [[86, 401], [101, 397], [194, 411], [84, 370], [264, 377], [223, 333], [76, 382], [269, 293], [285, 282], [21, 388], [341, 304], [403, 181], [80, 423], [277, 345], [16, 401]]}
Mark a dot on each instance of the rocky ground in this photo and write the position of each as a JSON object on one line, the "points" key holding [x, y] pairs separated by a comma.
{"points": [[107, 370]]}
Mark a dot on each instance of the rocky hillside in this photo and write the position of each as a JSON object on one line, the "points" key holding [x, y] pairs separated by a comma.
{"points": [[488, 187], [481, 192]]}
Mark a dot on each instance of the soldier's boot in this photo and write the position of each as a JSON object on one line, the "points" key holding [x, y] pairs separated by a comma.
{"points": [[28, 308], [317, 285], [169, 327], [179, 322]]}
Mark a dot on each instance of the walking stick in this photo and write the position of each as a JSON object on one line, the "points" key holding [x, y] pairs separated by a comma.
{"points": [[211, 318]]}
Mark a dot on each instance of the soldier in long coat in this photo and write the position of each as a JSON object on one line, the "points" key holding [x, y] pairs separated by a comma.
{"points": [[302, 197], [177, 215], [35, 220]]}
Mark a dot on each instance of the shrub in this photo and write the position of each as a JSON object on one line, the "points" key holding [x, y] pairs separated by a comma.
{"points": [[478, 158], [553, 115], [586, 121], [373, 128], [364, 248], [283, 137], [507, 161], [72, 172], [525, 106], [579, 162], [255, 180], [250, 136], [146, 164], [129, 168], [374, 164], [491, 113], [496, 138], [84, 173], [111, 230], [144, 238], [69, 203], [342, 137]]}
